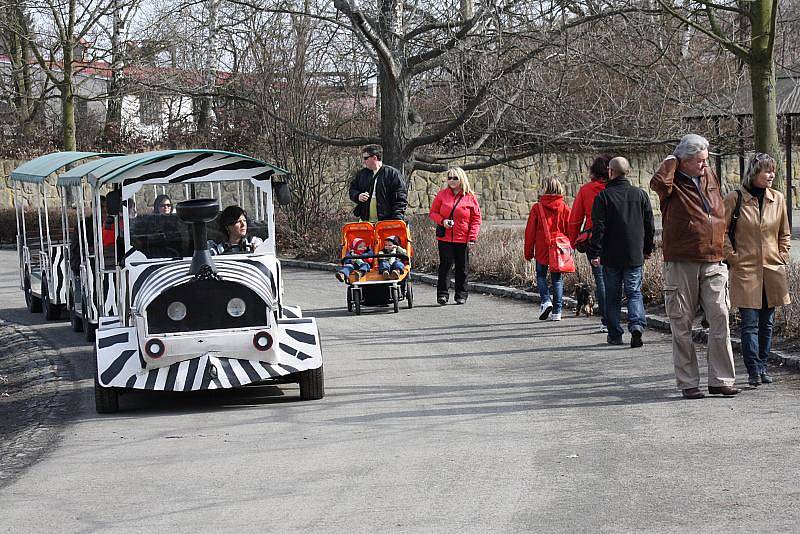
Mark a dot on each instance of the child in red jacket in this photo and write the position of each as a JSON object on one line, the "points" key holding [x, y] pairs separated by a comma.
{"points": [[556, 215]]}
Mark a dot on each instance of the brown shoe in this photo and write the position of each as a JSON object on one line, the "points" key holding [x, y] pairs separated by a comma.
{"points": [[728, 391], [693, 393]]}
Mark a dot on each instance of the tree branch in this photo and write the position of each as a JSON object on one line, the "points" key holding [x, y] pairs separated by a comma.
{"points": [[736, 49], [360, 22]]}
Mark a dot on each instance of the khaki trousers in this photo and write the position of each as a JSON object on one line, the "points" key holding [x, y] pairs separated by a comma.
{"points": [[685, 285]]}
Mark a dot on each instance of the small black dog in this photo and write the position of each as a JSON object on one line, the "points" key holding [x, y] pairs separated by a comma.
{"points": [[585, 299]]}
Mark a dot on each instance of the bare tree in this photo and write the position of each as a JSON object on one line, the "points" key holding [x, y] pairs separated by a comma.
{"points": [[122, 11], [723, 23], [67, 24], [23, 92]]}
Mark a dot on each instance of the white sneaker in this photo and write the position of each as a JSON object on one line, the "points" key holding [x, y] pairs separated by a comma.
{"points": [[544, 310], [555, 316], [603, 329]]}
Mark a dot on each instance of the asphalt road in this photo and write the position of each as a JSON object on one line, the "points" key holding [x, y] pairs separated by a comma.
{"points": [[475, 418]]}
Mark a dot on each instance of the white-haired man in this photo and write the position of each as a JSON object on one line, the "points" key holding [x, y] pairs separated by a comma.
{"points": [[694, 225]]}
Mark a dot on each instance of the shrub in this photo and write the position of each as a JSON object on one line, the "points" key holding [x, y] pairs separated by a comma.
{"points": [[319, 241], [8, 224], [787, 318]]}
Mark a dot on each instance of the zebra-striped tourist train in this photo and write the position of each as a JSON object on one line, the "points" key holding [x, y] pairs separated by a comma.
{"points": [[44, 217], [180, 301]]}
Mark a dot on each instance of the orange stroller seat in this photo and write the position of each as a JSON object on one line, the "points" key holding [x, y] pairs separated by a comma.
{"points": [[350, 231], [384, 229]]}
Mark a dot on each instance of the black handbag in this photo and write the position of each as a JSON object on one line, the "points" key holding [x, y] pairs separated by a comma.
{"points": [[583, 240], [440, 230]]}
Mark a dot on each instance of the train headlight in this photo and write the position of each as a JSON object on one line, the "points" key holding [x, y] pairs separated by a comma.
{"points": [[236, 307], [176, 311]]}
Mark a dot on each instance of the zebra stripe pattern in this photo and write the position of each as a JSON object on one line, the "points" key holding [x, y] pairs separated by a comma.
{"points": [[119, 362], [153, 281], [59, 274], [292, 312], [197, 167]]}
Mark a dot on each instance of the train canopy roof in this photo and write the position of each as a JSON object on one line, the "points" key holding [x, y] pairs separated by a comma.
{"points": [[76, 174], [181, 166], [36, 170]]}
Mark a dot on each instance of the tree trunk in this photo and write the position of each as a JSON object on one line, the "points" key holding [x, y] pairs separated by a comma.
{"points": [[205, 111], [762, 85], [19, 56], [114, 112], [67, 100], [396, 129]]}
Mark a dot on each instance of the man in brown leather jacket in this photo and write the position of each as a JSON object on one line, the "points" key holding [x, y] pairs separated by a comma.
{"points": [[694, 225]]}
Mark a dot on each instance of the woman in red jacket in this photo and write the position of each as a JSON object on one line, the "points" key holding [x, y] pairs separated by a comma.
{"points": [[580, 219], [556, 215], [456, 209]]}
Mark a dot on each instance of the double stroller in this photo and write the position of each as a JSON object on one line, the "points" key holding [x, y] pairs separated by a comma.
{"points": [[374, 288]]}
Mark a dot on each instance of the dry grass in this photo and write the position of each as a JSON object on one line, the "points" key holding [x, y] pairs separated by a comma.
{"points": [[787, 318]]}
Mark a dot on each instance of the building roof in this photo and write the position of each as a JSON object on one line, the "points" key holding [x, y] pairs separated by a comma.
{"points": [[740, 103]]}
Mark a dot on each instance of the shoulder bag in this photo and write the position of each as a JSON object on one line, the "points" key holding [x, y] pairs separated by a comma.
{"points": [[440, 229], [734, 219], [559, 253]]}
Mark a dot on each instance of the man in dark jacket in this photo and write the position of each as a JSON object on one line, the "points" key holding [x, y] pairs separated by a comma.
{"points": [[694, 225], [378, 190], [622, 237]]}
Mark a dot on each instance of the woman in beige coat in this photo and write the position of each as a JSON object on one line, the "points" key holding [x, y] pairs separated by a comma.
{"points": [[757, 256]]}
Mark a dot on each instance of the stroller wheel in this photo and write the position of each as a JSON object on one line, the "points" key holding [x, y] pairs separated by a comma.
{"points": [[396, 298], [409, 294], [357, 300], [349, 299]]}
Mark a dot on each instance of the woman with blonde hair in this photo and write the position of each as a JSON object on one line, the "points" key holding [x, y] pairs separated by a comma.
{"points": [[757, 251], [551, 210], [457, 215]]}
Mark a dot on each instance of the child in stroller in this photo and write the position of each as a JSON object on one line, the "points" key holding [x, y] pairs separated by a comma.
{"points": [[391, 266], [353, 269]]}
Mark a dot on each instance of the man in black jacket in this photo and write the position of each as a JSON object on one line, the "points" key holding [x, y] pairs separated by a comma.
{"points": [[378, 190], [622, 237]]}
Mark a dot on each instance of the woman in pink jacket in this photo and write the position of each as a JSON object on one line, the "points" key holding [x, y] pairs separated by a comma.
{"points": [[456, 210]]}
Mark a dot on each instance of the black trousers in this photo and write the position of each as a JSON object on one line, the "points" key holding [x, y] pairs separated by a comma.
{"points": [[450, 253]]}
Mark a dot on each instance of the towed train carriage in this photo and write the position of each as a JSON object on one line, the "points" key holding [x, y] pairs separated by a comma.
{"points": [[182, 319], [44, 237], [92, 290]]}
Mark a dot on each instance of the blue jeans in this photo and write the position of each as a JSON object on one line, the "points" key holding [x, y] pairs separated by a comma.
{"points": [[600, 291], [629, 280], [756, 338], [384, 265], [347, 268], [544, 291]]}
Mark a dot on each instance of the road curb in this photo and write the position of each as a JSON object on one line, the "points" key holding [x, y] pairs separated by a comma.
{"points": [[34, 398], [654, 322]]}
